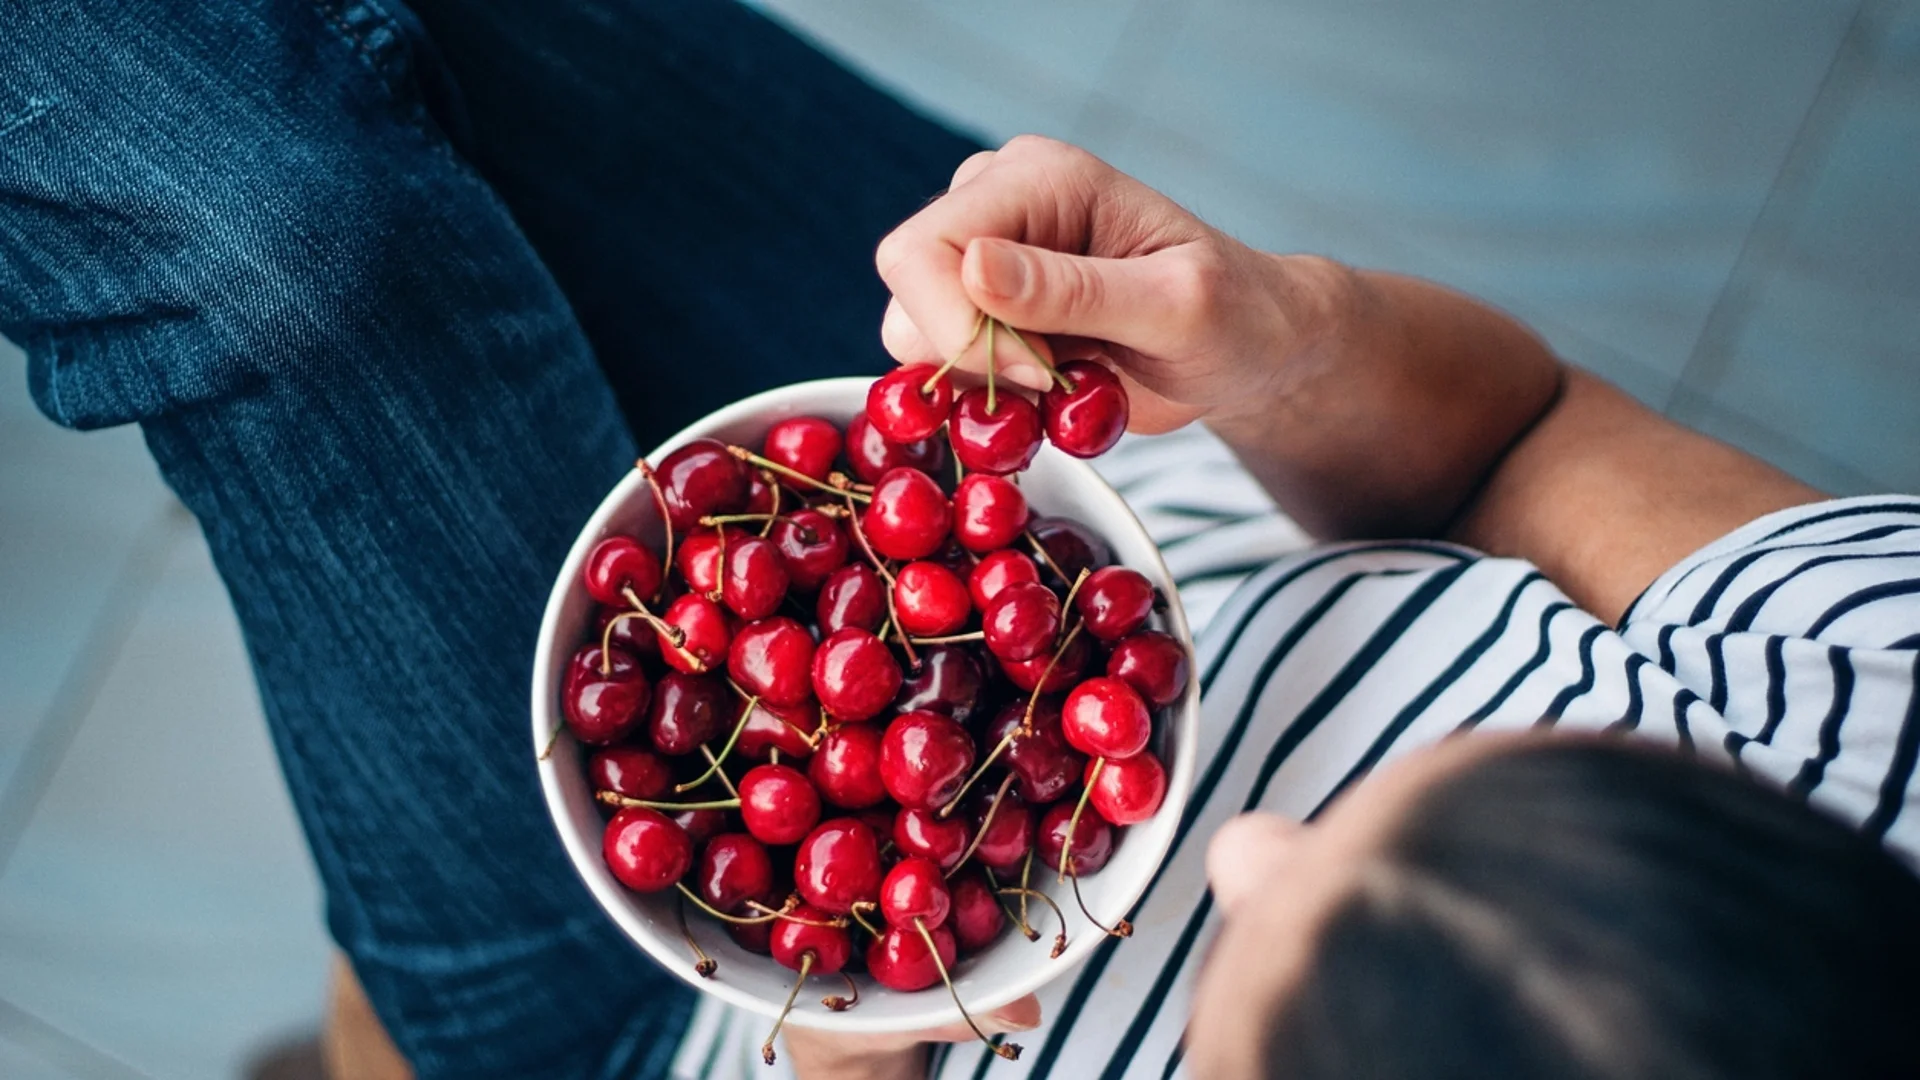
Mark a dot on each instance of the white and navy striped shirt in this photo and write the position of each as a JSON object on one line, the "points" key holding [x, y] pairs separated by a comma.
{"points": [[1791, 647]]}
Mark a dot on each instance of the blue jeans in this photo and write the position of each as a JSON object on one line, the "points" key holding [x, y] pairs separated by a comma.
{"points": [[394, 294]]}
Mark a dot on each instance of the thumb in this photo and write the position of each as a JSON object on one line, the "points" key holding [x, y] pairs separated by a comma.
{"points": [[1134, 302]]}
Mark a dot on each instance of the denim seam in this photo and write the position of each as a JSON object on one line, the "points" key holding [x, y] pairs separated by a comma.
{"points": [[36, 108]]}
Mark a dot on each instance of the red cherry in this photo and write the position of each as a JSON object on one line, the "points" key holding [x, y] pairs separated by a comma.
{"points": [[806, 933], [1047, 766], [948, 681], [955, 558], [813, 545], [1114, 601], [698, 557], [701, 478], [1153, 664], [759, 492], [988, 512], [909, 516], [783, 728], [1130, 791], [977, 919], [619, 563], [604, 708], [1000, 442], [924, 759], [734, 868], [904, 409], [687, 710], [1092, 841], [854, 674], [754, 580], [930, 600], [1026, 674], [846, 768], [871, 454], [1071, 545], [852, 596], [777, 805], [838, 865], [630, 771], [1087, 420], [898, 959], [645, 851], [922, 833], [633, 635], [806, 444], [707, 635], [997, 570], [1022, 622], [1008, 836], [1103, 717], [915, 889], [773, 660], [701, 825]]}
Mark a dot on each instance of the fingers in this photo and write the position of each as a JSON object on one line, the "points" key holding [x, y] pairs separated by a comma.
{"points": [[1021, 1015], [970, 168], [903, 340], [1152, 303]]}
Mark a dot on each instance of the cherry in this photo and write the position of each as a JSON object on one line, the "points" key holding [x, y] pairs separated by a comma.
{"points": [[773, 659], [617, 564], [915, 889], [1114, 601], [846, 768], [1026, 674], [646, 851], [1087, 420], [755, 937], [955, 558], [871, 454], [909, 403], [703, 824], [632, 634], [706, 634], [949, 681], [698, 556], [813, 545], [759, 492], [734, 868], [630, 771], [687, 710], [701, 478], [1153, 664], [976, 920], [999, 441], [988, 512], [754, 578], [838, 865], [1092, 838], [777, 805], [930, 600], [1047, 766], [851, 596], [811, 930], [1104, 717], [909, 516], [601, 708], [923, 833], [1022, 622], [1071, 545], [899, 960], [924, 759], [1007, 836], [778, 727], [854, 674], [806, 444], [1128, 791], [997, 570]]}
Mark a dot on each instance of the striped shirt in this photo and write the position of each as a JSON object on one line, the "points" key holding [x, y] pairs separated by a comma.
{"points": [[1790, 647]]}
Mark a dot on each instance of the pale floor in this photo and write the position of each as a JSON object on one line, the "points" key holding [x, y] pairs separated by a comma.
{"points": [[1714, 202]]}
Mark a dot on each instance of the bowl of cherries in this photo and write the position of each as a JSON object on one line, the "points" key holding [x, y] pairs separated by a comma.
{"points": [[864, 704]]}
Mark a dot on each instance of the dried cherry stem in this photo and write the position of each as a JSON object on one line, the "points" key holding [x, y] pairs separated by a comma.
{"points": [[1009, 1051], [1061, 380], [614, 798], [1033, 698], [979, 321], [842, 1004], [793, 475], [737, 920], [1120, 928], [835, 923], [713, 763], [766, 1048], [767, 526], [859, 910], [1059, 939], [703, 965], [671, 635], [725, 780], [951, 639], [985, 822], [1006, 909], [666, 520], [1040, 549], [1073, 823]]}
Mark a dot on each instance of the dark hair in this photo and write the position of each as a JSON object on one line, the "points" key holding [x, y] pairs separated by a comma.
{"points": [[1593, 911]]}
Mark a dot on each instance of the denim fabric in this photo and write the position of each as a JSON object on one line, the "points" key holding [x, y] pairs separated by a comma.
{"points": [[394, 295]]}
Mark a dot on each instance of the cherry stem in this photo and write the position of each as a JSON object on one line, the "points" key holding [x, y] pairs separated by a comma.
{"points": [[1006, 909], [858, 910], [831, 924], [1033, 698], [1120, 928], [986, 822], [671, 635], [979, 321], [1060, 939], [842, 1004], [774, 516], [766, 1048], [737, 920], [1040, 549], [717, 520], [606, 635], [1026, 881], [725, 780], [666, 520], [1064, 382], [713, 763], [614, 798], [1009, 1051], [1074, 589], [992, 756], [992, 406], [703, 965], [893, 614], [1073, 823], [793, 475], [553, 739], [951, 639]]}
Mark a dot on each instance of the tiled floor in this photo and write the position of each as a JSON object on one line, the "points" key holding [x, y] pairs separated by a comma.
{"points": [[1714, 202]]}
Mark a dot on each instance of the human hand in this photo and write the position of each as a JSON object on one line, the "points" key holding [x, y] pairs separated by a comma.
{"points": [[826, 1055]]}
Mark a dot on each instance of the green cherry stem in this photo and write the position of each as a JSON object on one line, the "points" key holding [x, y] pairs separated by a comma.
{"points": [[1073, 823], [1061, 380], [614, 798]]}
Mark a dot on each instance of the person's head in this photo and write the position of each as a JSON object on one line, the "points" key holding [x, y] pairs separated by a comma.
{"points": [[1557, 908]]}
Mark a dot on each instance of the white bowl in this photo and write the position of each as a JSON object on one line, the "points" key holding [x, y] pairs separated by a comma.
{"points": [[1012, 967]]}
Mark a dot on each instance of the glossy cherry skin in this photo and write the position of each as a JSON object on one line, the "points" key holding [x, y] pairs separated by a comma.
{"points": [[753, 578], [604, 708], [1129, 791], [813, 544], [1087, 420], [633, 635], [846, 768], [998, 442], [915, 889], [924, 759], [909, 517], [773, 660], [838, 865], [1021, 622], [778, 727], [949, 681], [1104, 717], [756, 938], [702, 825], [908, 403], [851, 596], [688, 710], [997, 570], [698, 557], [707, 631], [976, 920], [734, 868], [1092, 841], [777, 804], [806, 444], [1026, 674], [1114, 601], [854, 674], [759, 492], [1071, 545], [930, 600], [701, 478], [630, 771], [1047, 766], [989, 512], [1008, 837], [792, 941], [871, 454], [617, 564], [645, 851], [1153, 664], [941, 840], [898, 959]]}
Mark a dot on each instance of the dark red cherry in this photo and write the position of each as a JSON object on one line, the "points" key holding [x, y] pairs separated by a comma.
{"points": [[1087, 420], [976, 920], [604, 708], [955, 558], [949, 681], [909, 403], [989, 512], [1021, 622], [838, 865], [930, 600], [1047, 766], [773, 660], [698, 557], [617, 564], [997, 570], [645, 851], [898, 959], [756, 938], [632, 634], [924, 759], [871, 454], [706, 631], [854, 674], [754, 580], [786, 728], [1128, 791], [915, 889], [1008, 836], [813, 545], [1153, 664], [809, 933], [1092, 841], [703, 824], [1114, 601], [1001, 441], [688, 710], [701, 478], [922, 833], [1104, 717], [630, 771], [806, 444], [759, 492], [777, 804], [909, 516], [1026, 674], [852, 596], [734, 868], [1071, 545], [846, 768]]}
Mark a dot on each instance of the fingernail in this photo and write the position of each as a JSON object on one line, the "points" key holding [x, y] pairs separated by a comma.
{"points": [[1003, 270]]}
